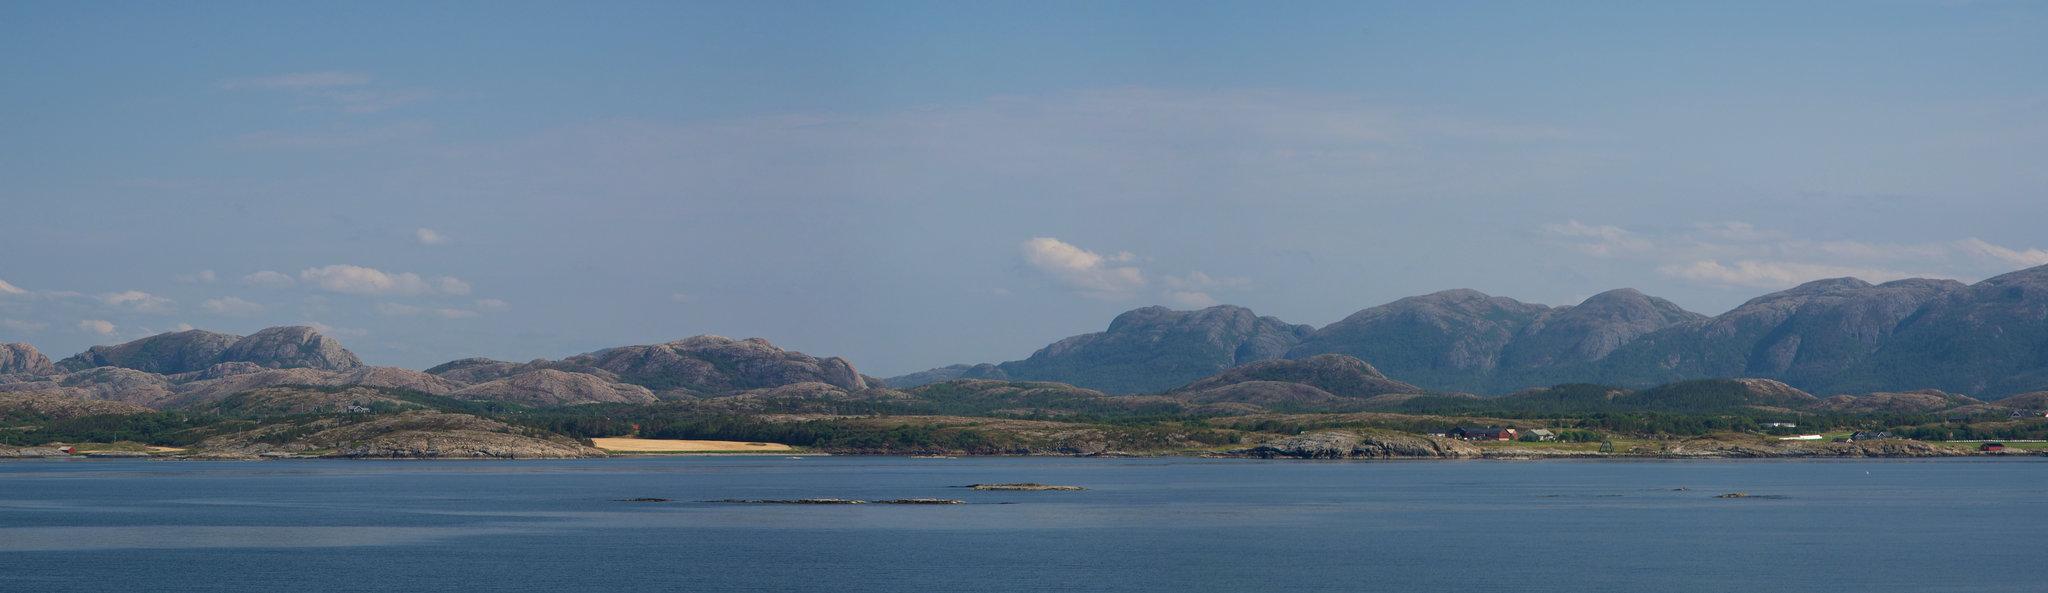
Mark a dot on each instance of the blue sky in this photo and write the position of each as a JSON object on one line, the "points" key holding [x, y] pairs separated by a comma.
{"points": [[910, 185]]}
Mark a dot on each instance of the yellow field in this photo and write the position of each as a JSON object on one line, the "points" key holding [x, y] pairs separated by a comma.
{"points": [[674, 446]]}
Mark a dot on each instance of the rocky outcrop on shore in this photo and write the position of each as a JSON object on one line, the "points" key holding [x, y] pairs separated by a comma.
{"points": [[30, 452], [1344, 444], [1744, 446]]}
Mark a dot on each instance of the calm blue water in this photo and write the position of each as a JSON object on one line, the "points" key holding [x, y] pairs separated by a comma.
{"points": [[1144, 525]]}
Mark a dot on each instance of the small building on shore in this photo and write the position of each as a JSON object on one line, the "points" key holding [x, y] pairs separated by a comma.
{"points": [[1481, 434], [1992, 447]]}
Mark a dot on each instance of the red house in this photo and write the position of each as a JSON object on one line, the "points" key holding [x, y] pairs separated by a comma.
{"points": [[1991, 447]]}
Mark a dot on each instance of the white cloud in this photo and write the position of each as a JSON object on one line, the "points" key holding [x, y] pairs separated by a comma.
{"points": [[360, 280], [200, 277], [6, 288], [97, 326], [492, 305], [231, 306], [299, 81], [396, 309], [185, 327], [136, 301], [455, 313], [429, 237], [268, 279], [1083, 269]]}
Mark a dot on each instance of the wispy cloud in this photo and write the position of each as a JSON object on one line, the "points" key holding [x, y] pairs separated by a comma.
{"points": [[136, 301], [301, 81], [1742, 255], [231, 306], [349, 92], [2018, 257], [335, 331], [349, 279], [22, 325], [200, 277], [1100, 146], [1598, 241], [455, 313], [396, 309], [97, 326], [1773, 274], [338, 136], [268, 279], [427, 236], [6, 288]]}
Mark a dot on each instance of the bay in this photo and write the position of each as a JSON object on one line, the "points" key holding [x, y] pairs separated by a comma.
{"points": [[1155, 524]]}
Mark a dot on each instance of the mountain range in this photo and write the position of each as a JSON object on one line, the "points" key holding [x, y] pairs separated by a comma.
{"points": [[1835, 336], [1840, 336]]}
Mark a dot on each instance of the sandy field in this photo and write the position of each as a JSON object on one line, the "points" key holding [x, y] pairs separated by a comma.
{"points": [[674, 446]]}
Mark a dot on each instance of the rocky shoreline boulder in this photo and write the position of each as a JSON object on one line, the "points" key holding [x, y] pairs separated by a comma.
{"points": [[1344, 444]]}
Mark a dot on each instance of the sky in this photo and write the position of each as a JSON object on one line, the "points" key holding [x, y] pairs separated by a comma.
{"points": [[915, 184]]}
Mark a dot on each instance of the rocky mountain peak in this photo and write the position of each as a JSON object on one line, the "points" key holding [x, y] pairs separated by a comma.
{"points": [[1153, 348], [708, 364], [166, 353], [24, 359], [291, 347], [1592, 329]]}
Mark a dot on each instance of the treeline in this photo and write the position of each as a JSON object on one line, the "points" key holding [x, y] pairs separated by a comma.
{"points": [[164, 429]]}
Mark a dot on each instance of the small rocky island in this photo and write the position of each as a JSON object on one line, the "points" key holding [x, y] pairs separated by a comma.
{"points": [[1028, 486]]}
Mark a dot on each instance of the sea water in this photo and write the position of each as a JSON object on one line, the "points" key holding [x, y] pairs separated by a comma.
{"points": [[1142, 525]]}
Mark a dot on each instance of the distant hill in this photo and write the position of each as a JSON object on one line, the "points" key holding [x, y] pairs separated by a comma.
{"points": [[1144, 351], [691, 367], [1335, 374], [1836, 336], [195, 350], [1465, 340]]}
